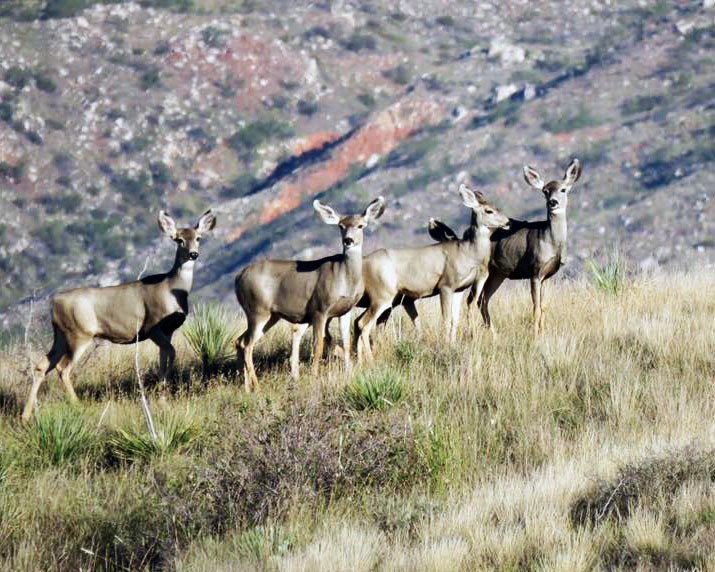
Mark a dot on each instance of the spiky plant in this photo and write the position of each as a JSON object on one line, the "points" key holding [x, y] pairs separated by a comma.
{"points": [[134, 443], [374, 390], [609, 277], [210, 333]]}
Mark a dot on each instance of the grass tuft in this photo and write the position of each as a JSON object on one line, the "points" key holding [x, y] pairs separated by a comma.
{"points": [[374, 390], [55, 437], [134, 443], [210, 333], [609, 277]]}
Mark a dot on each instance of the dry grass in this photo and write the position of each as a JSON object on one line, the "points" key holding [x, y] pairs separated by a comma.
{"points": [[591, 448]]}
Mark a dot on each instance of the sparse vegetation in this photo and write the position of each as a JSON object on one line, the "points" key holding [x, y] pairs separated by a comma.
{"points": [[402, 464], [566, 123], [211, 333], [609, 277]]}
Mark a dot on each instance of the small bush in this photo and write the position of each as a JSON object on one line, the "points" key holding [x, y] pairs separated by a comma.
{"points": [[149, 79], [446, 21], [580, 119], [213, 37], [44, 82], [406, 351], [641, 103], [400, 74], [210, 333], [56, 436], [367, 99], [374, 390], [358, 42], [247, 139], [307, 107], [134, 443], [17, 77], [609, 277]]}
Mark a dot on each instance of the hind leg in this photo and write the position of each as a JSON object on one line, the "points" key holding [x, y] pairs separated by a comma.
{"points": [[490, 287], [245, 344], [77, 347], [298, 330], [43, 367]]}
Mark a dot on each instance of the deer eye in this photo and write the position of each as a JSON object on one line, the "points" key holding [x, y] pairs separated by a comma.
{"points": [[563, 190], [198, 239], [489, 211]]}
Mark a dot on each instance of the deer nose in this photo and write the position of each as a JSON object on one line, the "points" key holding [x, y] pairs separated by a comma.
{"points": [[347, 241], [193, 255], [553, 203]]}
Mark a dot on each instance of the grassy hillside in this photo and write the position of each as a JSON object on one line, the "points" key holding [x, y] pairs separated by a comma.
{"points": [[588, 449]]}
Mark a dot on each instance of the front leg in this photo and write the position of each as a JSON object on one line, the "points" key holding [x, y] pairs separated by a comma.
{"points": [[345, 335], [536, 301], [298, 330], [167, 353], [319, 323], [445, 299]]}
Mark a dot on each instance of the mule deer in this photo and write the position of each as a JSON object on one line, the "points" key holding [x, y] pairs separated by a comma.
{"points": [[401, 276], [150, 308], [305, 292], [531, 251]]}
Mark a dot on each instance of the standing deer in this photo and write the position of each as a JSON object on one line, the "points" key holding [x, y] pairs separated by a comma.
{"points": [[401, 276], [305, 292], [531, 251], [150, 308]]}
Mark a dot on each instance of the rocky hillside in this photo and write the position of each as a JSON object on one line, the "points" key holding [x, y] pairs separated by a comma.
{"points": [[109, 112]]}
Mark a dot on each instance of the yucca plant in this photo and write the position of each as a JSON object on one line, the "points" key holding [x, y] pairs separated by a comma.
{"points": [[374, 390], [54, 437], [210, 333], [134, 443], [609, 277]]}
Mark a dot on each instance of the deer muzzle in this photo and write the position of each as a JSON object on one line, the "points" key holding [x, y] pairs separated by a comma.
{"points": [[193, 255]]}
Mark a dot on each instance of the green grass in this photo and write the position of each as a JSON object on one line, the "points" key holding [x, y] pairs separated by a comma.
{"points": [[374, 390], [588, 448], [609, 277], [211, 332]]}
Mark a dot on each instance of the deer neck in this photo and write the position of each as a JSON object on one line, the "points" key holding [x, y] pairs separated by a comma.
{"points": [[477, 237], [181, 275], [352, 258], [558, 228]]}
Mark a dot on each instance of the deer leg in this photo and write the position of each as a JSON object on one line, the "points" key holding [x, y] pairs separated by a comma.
{"points": [[167, 353], [319, 323], [446, 296], [44, 366], [490, 287], [76, 348], [298, 330], [542, 321], [536, 300], [245, 346], [411, 309], [366, 324], [456, 309], [345, 335]]}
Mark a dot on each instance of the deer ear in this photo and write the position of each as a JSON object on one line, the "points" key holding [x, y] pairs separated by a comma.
{"points": [[532, 178], [167, 225], [375, 209], [573, 172], [206, 223], [440, 231], [471, 198], [326, 213]]}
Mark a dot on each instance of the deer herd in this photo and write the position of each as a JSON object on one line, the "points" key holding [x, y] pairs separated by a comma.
{"points": [[312, 293]]}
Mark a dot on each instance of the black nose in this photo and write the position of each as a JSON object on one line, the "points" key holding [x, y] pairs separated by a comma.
{"points": [[348, 241], [553, 203], [193, 255]]}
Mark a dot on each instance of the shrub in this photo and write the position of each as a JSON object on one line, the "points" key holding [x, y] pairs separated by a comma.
{"points": [[64, 8], [56, 436], [210, 333], [609, 277], [400, 74], [6, 111], [17, 77], [359, 41], [566, 123], [374, 390], [149, 78], [307, 106], [641, 103], [367, 99], [445, 20], [213, 37], [251, 136], [44, 82], [134, 443]]}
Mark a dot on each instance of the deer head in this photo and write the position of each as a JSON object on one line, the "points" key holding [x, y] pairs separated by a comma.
{"points": [[555, 192], [187, 239], [351, 226]]}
